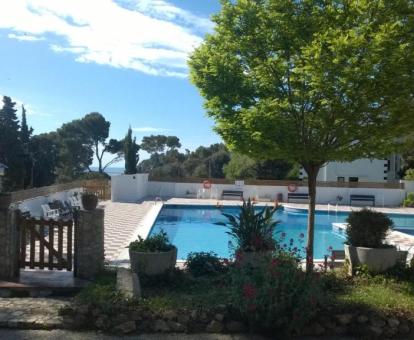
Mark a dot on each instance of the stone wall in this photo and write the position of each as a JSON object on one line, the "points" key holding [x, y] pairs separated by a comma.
{"points": [[89, 243], [9, 240]]}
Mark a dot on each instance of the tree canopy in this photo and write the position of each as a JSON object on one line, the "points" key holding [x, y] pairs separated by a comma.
{"points": [[309, 81]]}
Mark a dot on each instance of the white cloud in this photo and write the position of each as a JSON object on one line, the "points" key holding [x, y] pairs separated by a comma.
{"points": [[150, 36], [163, 10], [149, 129], [24, 37]]}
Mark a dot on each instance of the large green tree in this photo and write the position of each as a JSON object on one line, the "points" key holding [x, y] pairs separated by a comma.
{"points": [[44, 152], [96, 128], [310, 81]]}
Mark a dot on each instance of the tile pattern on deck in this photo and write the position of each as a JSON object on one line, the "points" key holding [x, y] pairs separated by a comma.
{"points": [[121, 222]]}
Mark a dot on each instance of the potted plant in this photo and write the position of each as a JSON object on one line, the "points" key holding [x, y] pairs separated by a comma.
{"points": [[252, 231], [89, 201], [366, 232], [153, 256]]}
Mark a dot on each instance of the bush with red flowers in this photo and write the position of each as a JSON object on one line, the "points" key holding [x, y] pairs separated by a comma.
{"points": [[275, 293]]}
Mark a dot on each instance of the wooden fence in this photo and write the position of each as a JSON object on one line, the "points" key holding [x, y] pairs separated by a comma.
{"points": [[46, 244], [101, 187]]}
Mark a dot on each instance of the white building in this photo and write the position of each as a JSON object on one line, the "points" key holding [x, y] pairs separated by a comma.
{"points": [[360, 170]]}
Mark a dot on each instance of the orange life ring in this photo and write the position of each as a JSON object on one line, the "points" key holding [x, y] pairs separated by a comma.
{"points": [[292, 187], [207, 184]]}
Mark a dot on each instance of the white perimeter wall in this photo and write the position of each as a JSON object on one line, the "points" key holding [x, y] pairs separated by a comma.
{"points": [[325, 195], [129, 188], [34, 205]]}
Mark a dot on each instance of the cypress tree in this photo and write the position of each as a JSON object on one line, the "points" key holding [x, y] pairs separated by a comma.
{"points": [[25, 137], [11, 152], [131, 153], [25, 131]]}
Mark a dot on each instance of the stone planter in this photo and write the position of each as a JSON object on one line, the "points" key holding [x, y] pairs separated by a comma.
{"points": [[89, 201], [153, 263], [253, 258], [376, 259]]}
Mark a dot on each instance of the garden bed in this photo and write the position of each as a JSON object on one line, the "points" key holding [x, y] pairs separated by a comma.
{"points": [[363, 306]]}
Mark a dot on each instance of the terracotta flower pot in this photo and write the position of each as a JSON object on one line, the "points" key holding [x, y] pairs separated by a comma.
{"points": [[153, 263], [89, 201]]}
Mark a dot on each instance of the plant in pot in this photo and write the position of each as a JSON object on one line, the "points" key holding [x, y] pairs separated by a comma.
{"points": [[366, 232], [253, 232], [89, 201], [154, 255]]}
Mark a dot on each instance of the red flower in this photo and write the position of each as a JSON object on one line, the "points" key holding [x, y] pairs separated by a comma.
{"points": [[275, 262], [239, 256], [249, 291]]}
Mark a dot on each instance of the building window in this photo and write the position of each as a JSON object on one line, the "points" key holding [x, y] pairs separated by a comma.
{"points": [[341, 179], [353, 179]]}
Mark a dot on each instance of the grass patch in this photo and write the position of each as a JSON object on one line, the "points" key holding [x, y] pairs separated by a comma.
{"points": [[187, 292], [381, 294]]}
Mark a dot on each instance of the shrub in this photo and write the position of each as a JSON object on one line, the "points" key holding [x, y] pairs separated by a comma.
{"points": [[252, 230], [204, 263], [155, 243], [409, 175], [275, 293], [409, 201], [367, 228]]}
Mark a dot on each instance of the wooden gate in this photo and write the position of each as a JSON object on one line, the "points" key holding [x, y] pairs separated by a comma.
{"points": [[46, 244]]}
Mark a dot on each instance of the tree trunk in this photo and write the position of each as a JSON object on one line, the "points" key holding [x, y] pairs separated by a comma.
{"points": [[312, 171]]}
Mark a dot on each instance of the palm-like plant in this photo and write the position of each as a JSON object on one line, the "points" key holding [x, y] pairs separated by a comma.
{"points": [[252, 230]]}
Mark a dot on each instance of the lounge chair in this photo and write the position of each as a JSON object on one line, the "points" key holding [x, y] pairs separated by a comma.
{"points": [[48, 212], [335, 260], [75, 203]]}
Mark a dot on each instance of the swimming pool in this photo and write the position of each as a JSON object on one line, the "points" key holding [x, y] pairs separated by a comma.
{"points": [[192, 228]]}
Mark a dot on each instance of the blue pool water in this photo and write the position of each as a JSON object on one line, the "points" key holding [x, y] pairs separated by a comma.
{"points": [[192, 229]]}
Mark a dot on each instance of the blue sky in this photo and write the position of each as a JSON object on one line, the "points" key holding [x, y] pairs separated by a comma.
{"points": [[123, 58]]}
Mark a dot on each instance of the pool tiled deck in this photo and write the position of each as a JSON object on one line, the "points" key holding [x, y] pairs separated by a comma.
{"points": [[125, 221]]}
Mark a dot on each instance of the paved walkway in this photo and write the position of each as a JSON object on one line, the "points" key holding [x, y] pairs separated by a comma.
{"points": [[31, 312], [121, 223], [65, 335]]}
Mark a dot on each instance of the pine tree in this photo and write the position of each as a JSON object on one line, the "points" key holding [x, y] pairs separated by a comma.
{"points": [[11, 152]]}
